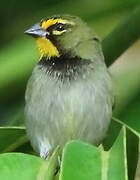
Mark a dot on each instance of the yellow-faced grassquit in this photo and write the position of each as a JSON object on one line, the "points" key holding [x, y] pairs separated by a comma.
{"points": [[69, 94]]}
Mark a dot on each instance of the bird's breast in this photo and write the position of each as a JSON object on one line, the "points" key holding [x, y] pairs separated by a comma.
{"points": [[73, 109]]}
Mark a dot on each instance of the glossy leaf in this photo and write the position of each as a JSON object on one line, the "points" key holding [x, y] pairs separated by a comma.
{"points": [[83, 161], [132, 144], [22, 166], [112, 134], [117, 159], [80, 161]]}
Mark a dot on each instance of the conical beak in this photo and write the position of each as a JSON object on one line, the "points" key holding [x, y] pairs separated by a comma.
{"points": [[37, 31]]}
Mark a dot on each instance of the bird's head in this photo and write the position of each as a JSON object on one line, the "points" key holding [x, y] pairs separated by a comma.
{"points": [[59, 35]]}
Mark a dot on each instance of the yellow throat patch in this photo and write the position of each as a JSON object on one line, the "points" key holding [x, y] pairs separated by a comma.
{"points": [[45, 46]]}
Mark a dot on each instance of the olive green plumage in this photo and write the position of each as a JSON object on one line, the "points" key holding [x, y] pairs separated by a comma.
{"points": [[69, 95]]}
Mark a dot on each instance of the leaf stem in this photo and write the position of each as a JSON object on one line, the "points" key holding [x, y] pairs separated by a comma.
{"points": [[128, 127]]}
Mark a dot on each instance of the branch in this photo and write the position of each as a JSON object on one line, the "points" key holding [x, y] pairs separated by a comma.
{"points": [[122, 37]]}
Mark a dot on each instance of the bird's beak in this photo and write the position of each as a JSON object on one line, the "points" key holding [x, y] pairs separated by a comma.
{"points": [[37, 31]]}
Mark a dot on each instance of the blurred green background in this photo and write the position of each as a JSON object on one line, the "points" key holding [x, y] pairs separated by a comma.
{"points": [[18, 53]]}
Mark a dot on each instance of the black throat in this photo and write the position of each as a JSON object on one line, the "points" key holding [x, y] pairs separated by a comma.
{"points": [[64, 66]]}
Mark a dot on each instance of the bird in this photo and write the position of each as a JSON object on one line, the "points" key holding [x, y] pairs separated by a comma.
{"points": [[69, 94]]}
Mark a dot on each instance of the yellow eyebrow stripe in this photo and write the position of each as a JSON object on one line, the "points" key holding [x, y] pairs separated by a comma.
{"points": [[51, 22]]}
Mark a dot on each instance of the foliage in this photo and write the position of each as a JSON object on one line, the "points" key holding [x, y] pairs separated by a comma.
{"points": [[79, 161]]}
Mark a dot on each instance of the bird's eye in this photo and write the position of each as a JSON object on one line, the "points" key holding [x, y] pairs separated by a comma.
{"points": [[96, 39], [60, 27]]}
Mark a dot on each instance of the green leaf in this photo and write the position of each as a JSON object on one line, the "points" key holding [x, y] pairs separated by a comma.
{"points": [[138, 165], [112, 134], [117, 159], [22, 166], [132, 142], [11, 138], [132, 145], [80, 161], [49, 170], [128, 127]]}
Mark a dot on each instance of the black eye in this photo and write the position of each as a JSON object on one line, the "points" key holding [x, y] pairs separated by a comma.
{"points": [[60, 27], [96, 39]]}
